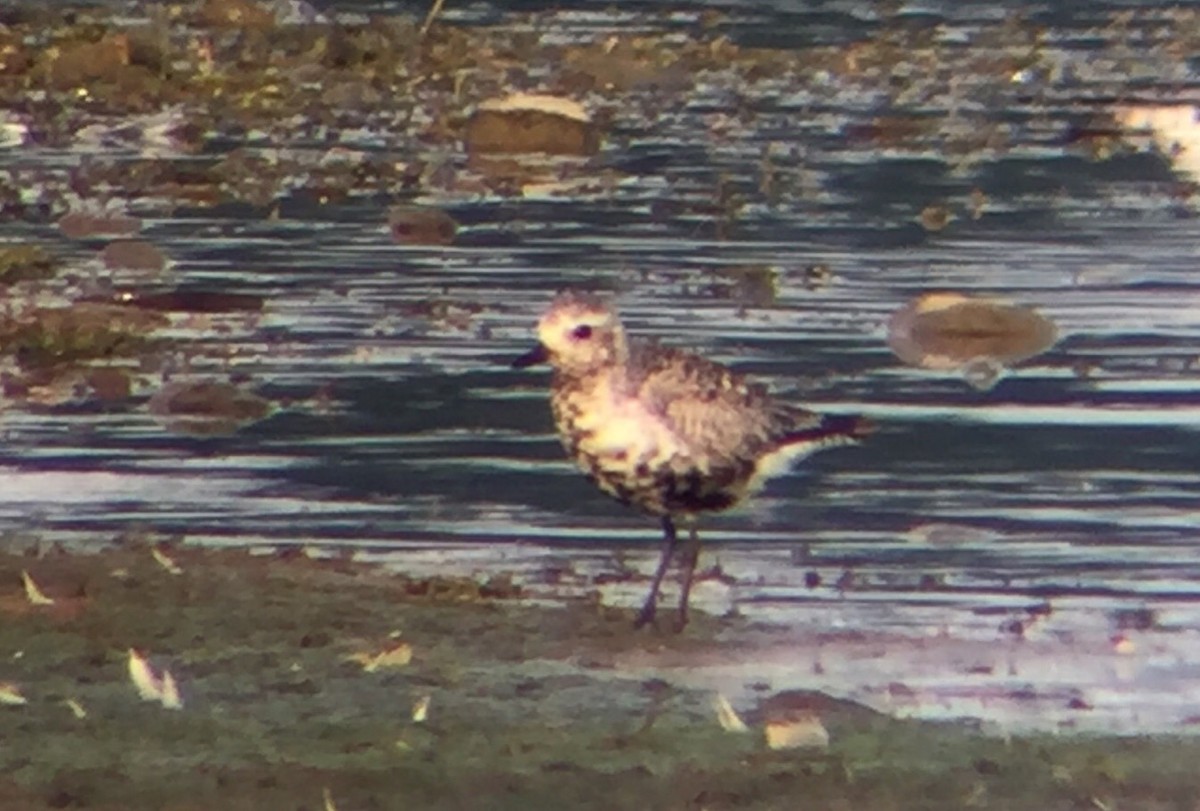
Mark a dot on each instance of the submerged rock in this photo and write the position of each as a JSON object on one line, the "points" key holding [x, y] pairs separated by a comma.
{"points": [[421, 225], [207, 407], [950, 331], [49, 336], [525, 123], [109, 383], [82, 224], [78, 63], [134, 254], [20, 263]]}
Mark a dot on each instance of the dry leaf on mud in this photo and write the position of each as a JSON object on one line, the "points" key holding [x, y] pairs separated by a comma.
{"points": [[169, 692], [800, 730], [727, 716], [164, 560], [32, 592], [420, 709], [10, 694], [397, 654], [150, 685]]}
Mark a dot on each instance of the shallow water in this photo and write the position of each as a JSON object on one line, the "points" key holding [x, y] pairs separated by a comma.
{"points": [[1056, 490]]}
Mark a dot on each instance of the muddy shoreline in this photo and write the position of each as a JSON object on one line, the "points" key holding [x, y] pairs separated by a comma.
{"points": [[296, 693]]}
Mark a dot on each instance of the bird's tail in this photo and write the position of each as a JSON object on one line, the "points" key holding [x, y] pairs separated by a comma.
{"points": [[831, 430]]}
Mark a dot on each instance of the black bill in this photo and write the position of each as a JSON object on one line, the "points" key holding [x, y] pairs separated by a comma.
{"points": [[539, 354]]}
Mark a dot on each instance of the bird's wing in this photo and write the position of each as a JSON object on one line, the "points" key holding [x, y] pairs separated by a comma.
{"points": [[716, 412]]}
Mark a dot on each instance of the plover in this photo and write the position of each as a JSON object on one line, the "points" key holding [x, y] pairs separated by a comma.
{"points": [[665, 430]]}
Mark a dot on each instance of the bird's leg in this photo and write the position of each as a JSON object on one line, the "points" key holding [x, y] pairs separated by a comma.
{"points": [[691, 554], [646, 615]]}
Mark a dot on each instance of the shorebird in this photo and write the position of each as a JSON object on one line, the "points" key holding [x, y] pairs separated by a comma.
{"points": [[664, 430]]}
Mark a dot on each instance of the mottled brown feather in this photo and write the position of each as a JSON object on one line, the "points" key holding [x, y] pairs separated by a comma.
{"points": [[720, 413], [665, 429]]}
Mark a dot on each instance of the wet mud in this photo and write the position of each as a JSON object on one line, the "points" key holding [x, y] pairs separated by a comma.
{"points": [[335, 684]]}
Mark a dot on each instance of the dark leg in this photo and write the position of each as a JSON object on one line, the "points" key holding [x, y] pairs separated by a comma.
{"points": [[691, 554], [646, 615]]}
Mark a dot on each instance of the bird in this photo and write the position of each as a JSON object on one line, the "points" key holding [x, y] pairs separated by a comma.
{"points": [[666, 430]]}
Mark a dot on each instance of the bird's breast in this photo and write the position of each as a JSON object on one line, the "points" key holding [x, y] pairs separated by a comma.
{"points": [[621, 445], [603, 425]]}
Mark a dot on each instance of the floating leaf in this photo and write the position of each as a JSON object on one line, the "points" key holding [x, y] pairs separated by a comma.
{"points": [[76, 708]]}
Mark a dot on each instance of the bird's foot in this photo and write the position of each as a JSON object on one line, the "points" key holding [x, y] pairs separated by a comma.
{"points": [[648, 616], [645, 616]]}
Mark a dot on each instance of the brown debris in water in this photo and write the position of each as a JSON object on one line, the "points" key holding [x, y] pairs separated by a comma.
{"points": [[235, 14], [749, 285], [442, 313], [935, 217], [625, 64], [70, 64]]}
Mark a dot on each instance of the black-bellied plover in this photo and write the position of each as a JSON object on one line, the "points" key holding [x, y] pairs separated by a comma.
{"points": [[664, 430]]}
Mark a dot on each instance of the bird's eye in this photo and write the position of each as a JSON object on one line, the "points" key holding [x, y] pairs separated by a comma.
{"points": [[582, 332]]}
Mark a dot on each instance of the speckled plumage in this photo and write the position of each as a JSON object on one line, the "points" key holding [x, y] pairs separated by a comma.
{"points": [[666, 430]]}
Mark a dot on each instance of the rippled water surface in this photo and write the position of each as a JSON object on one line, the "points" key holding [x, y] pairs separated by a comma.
{"points": [[1037, 540]]}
